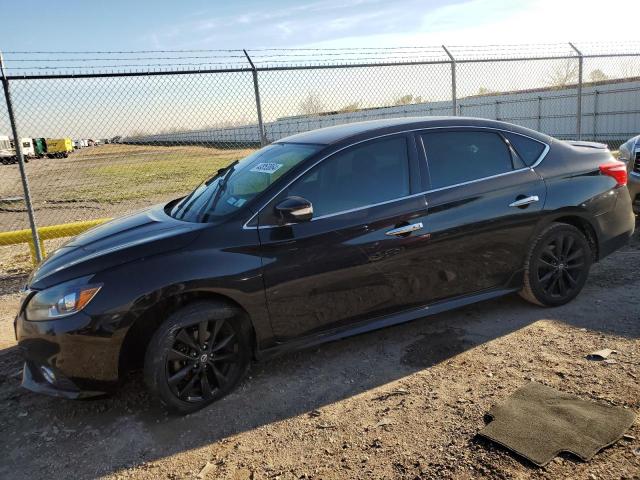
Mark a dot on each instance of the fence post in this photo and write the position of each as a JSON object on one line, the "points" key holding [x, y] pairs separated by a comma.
{"points": [[454, 97], [579, 106], [595, 116], [497, 113], [539, 126], [37, 247], [256, 89]]}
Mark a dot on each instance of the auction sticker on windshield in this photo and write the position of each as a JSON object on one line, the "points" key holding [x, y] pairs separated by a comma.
{"points": [[269, 168]]}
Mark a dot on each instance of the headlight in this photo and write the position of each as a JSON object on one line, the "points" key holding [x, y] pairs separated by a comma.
{"points": [[61, 300]]}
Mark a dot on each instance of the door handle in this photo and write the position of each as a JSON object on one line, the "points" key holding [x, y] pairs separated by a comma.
{"points": [[525, 201], [405, 229]]}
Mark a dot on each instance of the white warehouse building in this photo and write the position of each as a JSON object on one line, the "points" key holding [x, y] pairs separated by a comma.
{"points": [[610, 114]]}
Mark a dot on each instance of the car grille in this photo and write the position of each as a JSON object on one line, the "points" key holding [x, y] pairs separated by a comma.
{"points": [[636, 163]]}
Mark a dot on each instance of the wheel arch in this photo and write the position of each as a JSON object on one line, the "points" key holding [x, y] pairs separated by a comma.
{"points": [[582, 223], [146, 322]]}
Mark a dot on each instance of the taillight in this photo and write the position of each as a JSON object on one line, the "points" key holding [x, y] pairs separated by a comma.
{"points": [[615, 169]]}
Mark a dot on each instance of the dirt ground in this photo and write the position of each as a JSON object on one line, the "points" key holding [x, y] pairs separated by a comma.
{"points": [[404, 402]]}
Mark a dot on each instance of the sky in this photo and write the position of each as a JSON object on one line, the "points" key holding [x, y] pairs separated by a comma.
{"points": [[198, 24]]}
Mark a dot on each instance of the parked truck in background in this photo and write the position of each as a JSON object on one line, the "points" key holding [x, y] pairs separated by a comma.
{"points": [[39, 147], [34, 148], [8, 153], [27, 148], [59, 147], [80, 143]]}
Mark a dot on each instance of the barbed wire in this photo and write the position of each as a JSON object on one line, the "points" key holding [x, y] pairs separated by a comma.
{"points": [[133, 65], [110, 52], [99, 59], [287, 55], [433, 48], [64, 61], [310, 49]]}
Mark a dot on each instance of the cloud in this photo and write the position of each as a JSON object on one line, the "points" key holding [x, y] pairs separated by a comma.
{"points": [[336, 23], [291, 25], [482, 22]]}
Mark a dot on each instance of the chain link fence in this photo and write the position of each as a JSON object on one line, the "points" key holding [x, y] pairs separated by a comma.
{"points": [[108, 133]]}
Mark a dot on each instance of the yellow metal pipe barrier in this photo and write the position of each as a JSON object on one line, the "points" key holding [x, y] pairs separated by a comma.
{"points": [[47, 233]]}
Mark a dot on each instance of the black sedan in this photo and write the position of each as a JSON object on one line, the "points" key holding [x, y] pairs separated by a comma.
{"points": [[320, 236]]}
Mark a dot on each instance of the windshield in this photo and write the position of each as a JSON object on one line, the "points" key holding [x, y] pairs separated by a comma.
{"points": [[241, 181]]}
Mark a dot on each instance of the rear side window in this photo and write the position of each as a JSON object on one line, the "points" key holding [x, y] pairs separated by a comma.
{"points": [[528, 150], [458, 157], [363, 175]]}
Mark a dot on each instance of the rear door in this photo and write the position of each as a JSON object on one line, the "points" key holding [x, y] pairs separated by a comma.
{"points": [[484, 202], [347, 264]]}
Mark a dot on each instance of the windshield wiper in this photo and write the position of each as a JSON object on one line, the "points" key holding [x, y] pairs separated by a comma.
{"points": [[220, 172], [222, 185]]}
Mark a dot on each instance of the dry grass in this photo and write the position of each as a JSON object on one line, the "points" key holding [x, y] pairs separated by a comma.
{"points": [[128, 172], [100, 182]]}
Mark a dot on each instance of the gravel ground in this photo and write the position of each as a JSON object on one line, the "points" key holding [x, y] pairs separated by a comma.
{"points": [[404, 402]]}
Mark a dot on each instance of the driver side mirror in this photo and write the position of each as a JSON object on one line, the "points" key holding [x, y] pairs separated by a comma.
{"points": [[294, 210]]}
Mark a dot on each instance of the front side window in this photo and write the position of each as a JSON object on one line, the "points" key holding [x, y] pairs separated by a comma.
{"points": [[363, 175], [233, 187], [458, 157]]}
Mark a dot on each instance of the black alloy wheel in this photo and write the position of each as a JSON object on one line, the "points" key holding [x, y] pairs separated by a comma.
{"points": [[198, 355], [558, 265], [201, 360]]}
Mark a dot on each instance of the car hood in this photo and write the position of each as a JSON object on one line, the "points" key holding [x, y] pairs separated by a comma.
{"points": [[119, 241]]}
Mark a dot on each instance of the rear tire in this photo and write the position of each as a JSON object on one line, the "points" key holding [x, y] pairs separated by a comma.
{"points": [[557, 266], [198, 355]]}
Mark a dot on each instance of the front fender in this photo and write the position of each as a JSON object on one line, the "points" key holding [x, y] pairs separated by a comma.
{"points": [[130, 291]]}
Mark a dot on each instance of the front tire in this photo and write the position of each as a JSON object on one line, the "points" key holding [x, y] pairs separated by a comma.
{"points": [[557, 266], [198, 355]]}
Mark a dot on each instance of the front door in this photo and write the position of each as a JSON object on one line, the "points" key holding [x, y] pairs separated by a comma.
{"points": [[350, 261]]}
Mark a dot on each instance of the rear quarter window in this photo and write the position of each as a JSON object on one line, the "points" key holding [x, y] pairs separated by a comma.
{"points": [[528, 149]]}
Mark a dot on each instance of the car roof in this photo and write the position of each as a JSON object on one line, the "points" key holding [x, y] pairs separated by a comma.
{"points": [[338, 133]]}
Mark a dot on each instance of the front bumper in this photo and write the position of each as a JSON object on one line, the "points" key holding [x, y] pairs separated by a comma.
{"points": [[35, 379], [67, 357], [633, 184]]}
